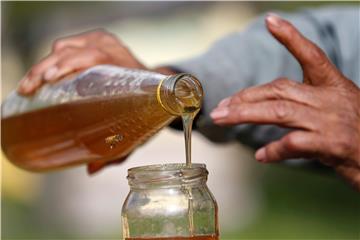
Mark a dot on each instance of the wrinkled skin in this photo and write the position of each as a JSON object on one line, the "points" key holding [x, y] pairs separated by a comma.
{"points": [[324, 110], [75, 53]]}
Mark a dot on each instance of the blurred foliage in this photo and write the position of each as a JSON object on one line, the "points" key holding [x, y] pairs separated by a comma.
{"points": [[303, 204], [299, 204]]}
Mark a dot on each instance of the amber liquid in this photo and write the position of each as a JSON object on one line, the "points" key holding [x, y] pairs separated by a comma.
{"points": [[100, 129], [187, 119], [206, 237]]}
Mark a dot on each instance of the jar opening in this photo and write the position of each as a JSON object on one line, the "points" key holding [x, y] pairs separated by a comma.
{"points": [[166, 175]]}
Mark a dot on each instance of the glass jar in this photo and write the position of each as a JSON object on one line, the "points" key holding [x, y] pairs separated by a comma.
{"points": [[94, 117], [170, 201]]}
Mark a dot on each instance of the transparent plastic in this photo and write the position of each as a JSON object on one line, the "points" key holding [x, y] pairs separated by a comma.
{"points": [[170, 201], [101, 114]]}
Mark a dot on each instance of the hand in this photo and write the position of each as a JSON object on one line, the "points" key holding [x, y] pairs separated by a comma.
{"points": [[324, 111], [75, 53]]}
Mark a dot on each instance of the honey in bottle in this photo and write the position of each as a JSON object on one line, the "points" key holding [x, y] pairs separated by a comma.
{"points": [[102, 114]]}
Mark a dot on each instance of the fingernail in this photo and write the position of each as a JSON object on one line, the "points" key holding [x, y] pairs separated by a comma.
{"points": [[51, 73], [273, 19], [260, 155], [219, 113], [224, 102]]}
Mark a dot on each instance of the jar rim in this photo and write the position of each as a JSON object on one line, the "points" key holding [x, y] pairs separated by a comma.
{"points": [[163, 175], [166, 167]]}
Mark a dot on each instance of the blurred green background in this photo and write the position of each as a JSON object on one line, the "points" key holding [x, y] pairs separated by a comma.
{"points": [[256, 201]]}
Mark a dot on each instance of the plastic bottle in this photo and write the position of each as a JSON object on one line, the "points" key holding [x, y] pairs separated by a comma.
{"points": [[102, 114]]}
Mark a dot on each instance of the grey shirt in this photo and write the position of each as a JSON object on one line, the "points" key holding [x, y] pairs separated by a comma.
{"points": [[253, 57]]}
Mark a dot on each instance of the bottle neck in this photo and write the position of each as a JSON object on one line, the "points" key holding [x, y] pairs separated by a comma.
{"points": [[167, 176], [179, 94]]}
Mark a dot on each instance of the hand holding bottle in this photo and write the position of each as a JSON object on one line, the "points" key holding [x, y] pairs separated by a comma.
{"points": [[76, 53], [79, 52]]}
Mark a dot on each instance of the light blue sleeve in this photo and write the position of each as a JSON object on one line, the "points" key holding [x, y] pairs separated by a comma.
{"points": [[254, 57]]}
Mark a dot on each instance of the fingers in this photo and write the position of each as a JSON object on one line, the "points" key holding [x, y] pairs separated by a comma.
{"points": [[351, 174], [78, 41], [59, 64], [310, 56], [293, 145], [75, 61], [81, 40], [281, 88], [33, 79], [64, 59], [42, 71], [279, 112]]}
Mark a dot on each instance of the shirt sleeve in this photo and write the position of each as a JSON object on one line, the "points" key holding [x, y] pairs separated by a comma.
{"points": [[253, 57]]}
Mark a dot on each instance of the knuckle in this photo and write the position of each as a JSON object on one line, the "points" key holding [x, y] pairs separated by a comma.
{"points": [[67, 50], [98, 32], [109, 38], [97, 53], [35, 70], [290, 142], [281, 84], [344, 146], [317, 53], [243, 95], [273, 152], [63, 63], [57, 44], [104, 36], [101, 33], [282, 87], [237, 115], [101, 30], [317, 56], [282, 110]]}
